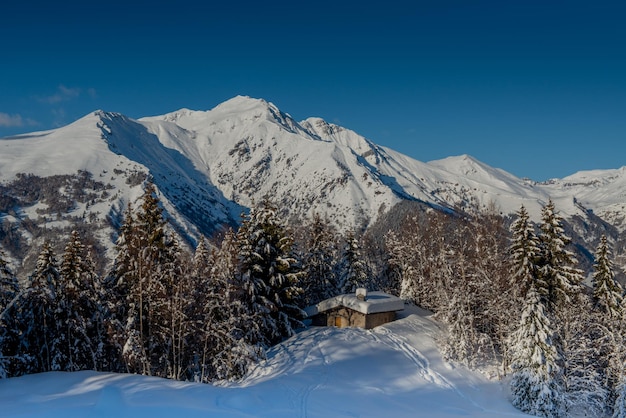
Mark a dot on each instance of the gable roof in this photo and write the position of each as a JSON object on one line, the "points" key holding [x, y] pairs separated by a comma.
{"points": [[374, 303]]}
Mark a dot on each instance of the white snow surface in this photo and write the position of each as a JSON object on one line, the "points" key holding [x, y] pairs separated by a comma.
{"points": [[375, 302], [394, 370]]}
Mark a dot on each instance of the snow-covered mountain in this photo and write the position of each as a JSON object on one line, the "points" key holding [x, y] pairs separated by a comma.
{"points": [[210, 165]]}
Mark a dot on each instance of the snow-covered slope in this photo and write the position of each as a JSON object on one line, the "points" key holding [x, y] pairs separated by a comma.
{"points": [[250, 149], [208, 165], [392, 371], [120, 153]]}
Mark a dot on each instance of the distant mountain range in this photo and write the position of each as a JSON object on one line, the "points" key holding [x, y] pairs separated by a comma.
{"points": [[211, 165]]}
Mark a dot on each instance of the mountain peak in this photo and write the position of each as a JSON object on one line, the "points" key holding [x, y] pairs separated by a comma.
{"points": [[240, 104]]}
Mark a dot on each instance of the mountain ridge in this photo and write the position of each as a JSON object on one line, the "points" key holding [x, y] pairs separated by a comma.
{"points": [[211, 165]]}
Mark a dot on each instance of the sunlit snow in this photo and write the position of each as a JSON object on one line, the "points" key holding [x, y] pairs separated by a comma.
{"points": [[391, 371]]}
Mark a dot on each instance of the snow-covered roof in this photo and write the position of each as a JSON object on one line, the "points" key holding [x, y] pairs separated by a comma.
{"points": [[374, 303]]}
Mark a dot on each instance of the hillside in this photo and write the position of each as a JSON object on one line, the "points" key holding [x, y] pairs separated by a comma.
{"points": [[393, 370]]}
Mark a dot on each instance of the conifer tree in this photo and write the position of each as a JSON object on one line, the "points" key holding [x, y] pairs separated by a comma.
{"points": [[607, 292], [39, 323], [617, 364], [524, 251], [319, 260], [78, 344], [559, 279], [270, 274], [353, 270], [8, 283], [150, 292], [534, 384], [226, 326], [584, 381], [140, 279], [8, 334], [404, 259], [121, 308]]}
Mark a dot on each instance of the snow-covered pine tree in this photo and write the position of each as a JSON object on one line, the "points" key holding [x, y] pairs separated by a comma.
{"points": [[270, 274], [584, 346], [403, 259], [139, 282], [77, 347], [150, 293], [8, 333], [607, 292], [353, 271], [121, 308], [524, 250], [524, 254], [490, 266], [534, 383], [319, 260], [559, 282], [617, 364], [38, 320], [558, 278], [474, 306], [8, 283], [225, 325]]}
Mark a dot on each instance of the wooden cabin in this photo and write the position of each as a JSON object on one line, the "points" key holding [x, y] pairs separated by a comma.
{"points": [[360, 309]]}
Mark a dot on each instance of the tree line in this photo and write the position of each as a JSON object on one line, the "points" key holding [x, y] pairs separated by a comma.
{"points": [[162, 310], [510, 295], [513, 296]]}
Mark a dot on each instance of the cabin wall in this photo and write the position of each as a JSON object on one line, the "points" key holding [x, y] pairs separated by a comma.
{"points": [[345, 317], [376, 319]]}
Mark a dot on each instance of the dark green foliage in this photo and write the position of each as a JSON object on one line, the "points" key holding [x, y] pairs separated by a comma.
{"points": [[607, 292], [9, 335], [270, 274], [319, 255], [38, 321]]}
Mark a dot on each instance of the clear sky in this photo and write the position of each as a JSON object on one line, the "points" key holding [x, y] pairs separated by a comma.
{"points": [[537, 88]]}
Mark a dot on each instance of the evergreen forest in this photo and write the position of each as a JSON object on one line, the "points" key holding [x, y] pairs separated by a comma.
{"points": [[510, 292]]}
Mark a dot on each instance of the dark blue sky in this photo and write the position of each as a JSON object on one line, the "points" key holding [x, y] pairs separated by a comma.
{"points": [[537, 88]]}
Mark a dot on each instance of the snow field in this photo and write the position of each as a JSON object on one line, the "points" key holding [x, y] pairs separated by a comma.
{"points": [[391, 371]]}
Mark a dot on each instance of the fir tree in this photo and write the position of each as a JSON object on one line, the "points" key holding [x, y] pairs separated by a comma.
{"points": [[270, 274], [607, 292], [353, 270], [38, 321], [222, 347], [150, 292], [534, 384], [524, 251], [8, 283], [8, 334], [559, 279], [584, 355], [142, 286], [121, 307], [617, 364], [404, 260], [319, 261], [79, 343]]}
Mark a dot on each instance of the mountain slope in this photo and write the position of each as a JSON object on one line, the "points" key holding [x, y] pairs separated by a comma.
{"points": [[210, 165]]}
